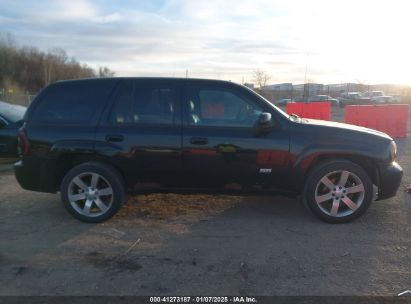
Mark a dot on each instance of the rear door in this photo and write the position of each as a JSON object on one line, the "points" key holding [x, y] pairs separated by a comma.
{"points": [[220, 145], [141, 131]]}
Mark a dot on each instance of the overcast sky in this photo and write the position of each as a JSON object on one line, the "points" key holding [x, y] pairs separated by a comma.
{"points": [[338, 41]]}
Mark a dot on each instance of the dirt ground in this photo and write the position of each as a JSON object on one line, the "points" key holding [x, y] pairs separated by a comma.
{"points": [[175, 244]]}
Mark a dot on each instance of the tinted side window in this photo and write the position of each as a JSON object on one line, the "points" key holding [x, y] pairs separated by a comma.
{"points": [[144, 103], [223, 107], [76, 102]]}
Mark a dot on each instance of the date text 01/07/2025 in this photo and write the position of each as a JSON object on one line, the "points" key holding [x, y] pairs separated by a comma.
{"points": [[202, 299]]}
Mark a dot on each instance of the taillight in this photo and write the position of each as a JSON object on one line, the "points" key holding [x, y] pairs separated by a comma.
{"points": [[24, 144]]}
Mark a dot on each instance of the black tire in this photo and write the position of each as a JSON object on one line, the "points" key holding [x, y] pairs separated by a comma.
{"points": [[313, 184], [108, 176]]}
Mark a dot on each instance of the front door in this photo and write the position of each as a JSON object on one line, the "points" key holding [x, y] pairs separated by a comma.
{"points": [[220, 145]]}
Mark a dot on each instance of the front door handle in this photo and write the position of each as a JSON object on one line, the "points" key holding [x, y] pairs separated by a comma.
{"points": [[114, 138], [198, 141]]}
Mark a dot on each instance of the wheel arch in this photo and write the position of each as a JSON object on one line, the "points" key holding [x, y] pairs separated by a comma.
{"points": [[65, 162], [369, 165]]}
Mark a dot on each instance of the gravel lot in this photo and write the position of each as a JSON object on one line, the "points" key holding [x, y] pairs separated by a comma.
{"points": [[203, 245]]}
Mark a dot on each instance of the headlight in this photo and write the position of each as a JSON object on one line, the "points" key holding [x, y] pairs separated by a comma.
{"points": [[393, 151]]}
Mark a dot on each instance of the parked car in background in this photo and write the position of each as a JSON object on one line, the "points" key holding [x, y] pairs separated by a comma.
{"points": [[353, 98], [91, 140], [321, 98], [284, 101], [11, 117], [300, 99], [378, 97]]}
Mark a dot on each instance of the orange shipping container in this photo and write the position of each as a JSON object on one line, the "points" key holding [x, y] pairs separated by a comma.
{"points": [[390, 119], [314, 110]]}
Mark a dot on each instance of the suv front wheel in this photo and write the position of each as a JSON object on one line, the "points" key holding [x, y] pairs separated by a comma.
{"points": [[338, 191], [92, 192]]}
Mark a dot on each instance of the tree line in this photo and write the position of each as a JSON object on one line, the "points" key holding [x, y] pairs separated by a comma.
{"points": [[27, 69]]}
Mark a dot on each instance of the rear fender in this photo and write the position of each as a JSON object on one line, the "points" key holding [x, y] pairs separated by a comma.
{"points": [[65, 155]]}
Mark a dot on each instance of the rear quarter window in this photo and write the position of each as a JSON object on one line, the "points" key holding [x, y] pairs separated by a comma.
{"points": [[77, 102]]}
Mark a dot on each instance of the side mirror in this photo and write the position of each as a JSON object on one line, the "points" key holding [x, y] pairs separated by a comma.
{"points": [[264, 124]]}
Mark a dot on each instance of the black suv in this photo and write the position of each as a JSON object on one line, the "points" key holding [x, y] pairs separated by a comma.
{"points": [[94, 139]]}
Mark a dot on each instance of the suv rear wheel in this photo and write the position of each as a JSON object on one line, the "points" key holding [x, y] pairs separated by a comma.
{"points": [[338, 191], [92, 192]]}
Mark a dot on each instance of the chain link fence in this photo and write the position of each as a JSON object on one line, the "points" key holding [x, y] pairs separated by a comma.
{"points": [[18, 99]]}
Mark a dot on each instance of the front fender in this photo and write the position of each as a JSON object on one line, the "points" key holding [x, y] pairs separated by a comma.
{"points": [[304, 157]]}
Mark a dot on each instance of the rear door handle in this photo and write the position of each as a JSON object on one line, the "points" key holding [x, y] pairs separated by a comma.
{"points": [[114, 138], [198, 141]]}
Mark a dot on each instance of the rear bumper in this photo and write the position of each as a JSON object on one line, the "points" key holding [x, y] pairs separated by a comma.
{"points": [[390, 180], [33, 176]]}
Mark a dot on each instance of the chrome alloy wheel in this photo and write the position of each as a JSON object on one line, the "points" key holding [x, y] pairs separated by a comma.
{"points": [[90, 194], [339, 193]]}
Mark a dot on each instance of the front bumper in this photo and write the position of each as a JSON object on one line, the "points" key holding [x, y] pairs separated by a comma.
{"points": [[390, 180]]}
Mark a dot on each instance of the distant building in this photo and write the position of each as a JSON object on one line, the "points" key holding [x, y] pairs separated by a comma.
{"points": [[343, 87], [278, 87], [309, 89], [275, 92]]}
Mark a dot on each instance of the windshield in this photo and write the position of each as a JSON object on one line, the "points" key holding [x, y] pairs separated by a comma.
{"points": [[269, 103], [12, 113], [276, 108]]}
